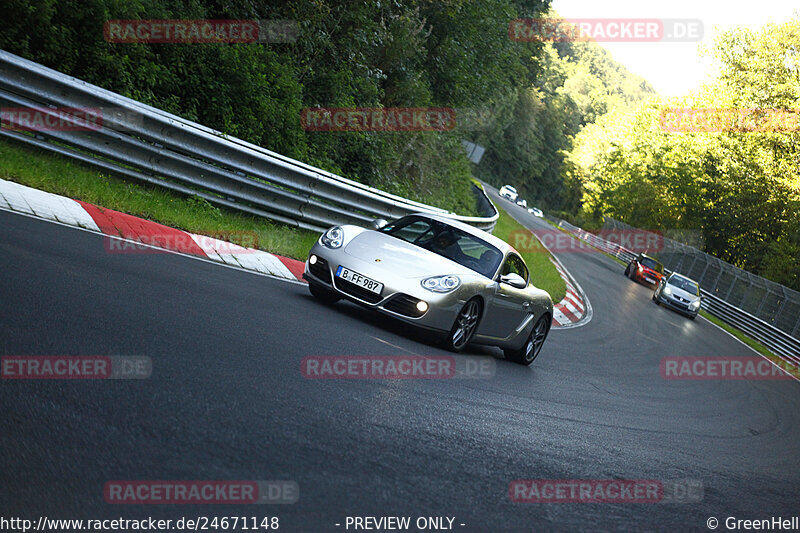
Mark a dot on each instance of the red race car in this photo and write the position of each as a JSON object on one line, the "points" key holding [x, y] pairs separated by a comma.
{"points": [[645, 269]]}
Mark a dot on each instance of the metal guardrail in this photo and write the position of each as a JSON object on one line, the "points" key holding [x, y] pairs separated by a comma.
{"points": [[780, 342], [140, 142], [146, 144], [765, 299]]}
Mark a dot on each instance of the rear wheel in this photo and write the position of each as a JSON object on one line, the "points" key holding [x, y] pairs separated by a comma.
{"points": [[322, 294], [465, 325], [530, 350]]}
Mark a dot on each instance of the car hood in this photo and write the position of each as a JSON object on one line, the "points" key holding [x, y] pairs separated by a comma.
{"points": [[403, 258], [676, 291]]}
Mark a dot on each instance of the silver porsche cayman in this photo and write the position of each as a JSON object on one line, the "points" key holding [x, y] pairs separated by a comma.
{"points": [[438, 274]]}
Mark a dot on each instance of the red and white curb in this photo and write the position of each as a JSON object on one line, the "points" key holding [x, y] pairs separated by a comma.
{"points": [[574, 309], [130, 233]]}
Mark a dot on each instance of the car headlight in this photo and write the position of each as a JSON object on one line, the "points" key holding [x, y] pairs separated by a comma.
{"points": [[667, 290], [441, 283], [695, 304], [640, 268], [333, 238]]}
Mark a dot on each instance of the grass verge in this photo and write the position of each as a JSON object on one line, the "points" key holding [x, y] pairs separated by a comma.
{"points": [[543, 274], [61, 175]]}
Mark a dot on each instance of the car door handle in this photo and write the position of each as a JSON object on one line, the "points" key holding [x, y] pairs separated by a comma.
{"points": [[527, 306]]}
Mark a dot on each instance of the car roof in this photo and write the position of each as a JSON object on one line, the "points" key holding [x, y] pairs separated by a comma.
{"points": [[650, 257], [676, 275], [502, 245]]}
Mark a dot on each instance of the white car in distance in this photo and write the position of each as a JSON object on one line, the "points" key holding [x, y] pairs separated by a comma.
{"points": [[507, 191]]}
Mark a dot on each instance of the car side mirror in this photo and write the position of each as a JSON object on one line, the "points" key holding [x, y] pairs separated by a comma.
{"points": [[378, 223], [513, 279]]}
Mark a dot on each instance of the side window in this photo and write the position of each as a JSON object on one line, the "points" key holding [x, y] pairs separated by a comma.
{"points": [[515, 265]]}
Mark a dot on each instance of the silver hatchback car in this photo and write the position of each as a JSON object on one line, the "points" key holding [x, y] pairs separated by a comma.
{"points": [[438, 274], [679, 293]]}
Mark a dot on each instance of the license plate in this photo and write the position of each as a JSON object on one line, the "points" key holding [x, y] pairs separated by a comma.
{"points": [[362, 281], [651, 280]]}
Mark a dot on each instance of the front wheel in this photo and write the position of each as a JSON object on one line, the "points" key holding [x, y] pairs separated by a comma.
{"points": [[465, 325], [530, 350]]}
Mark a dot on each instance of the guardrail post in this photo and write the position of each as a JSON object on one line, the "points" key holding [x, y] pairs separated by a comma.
{"points": [[746, 293], [703, 275], [735, 279], [716, 281], [763, 300], [689, 270], [780, 309]]}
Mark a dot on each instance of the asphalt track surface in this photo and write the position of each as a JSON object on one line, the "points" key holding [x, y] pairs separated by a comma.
{"points": [[227, 401]]}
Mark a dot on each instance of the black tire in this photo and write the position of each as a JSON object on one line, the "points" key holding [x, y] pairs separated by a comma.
{"points": [[465, 325], [533, 345], [628, 270], [322, 294], [692, 317]]}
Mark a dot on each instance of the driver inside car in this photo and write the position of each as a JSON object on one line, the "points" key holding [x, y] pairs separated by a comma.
{"points": [[446, 244]]}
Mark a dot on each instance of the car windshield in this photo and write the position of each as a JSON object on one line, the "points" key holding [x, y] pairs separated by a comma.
{"points": [[653, 264], [447, 241], [685, 284]]}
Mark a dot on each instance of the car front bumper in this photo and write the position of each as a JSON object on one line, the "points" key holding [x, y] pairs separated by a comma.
{"points": [[680, 307], [398, 296]]}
